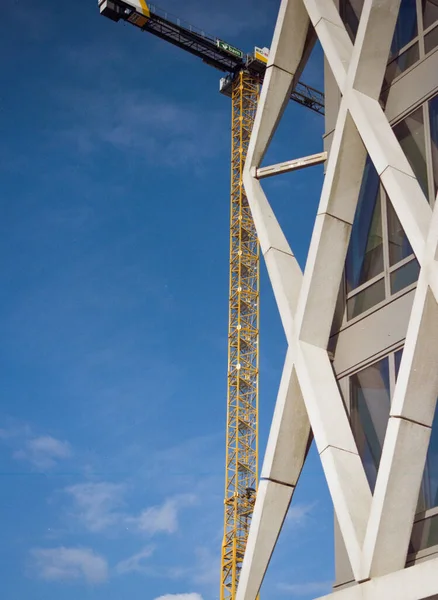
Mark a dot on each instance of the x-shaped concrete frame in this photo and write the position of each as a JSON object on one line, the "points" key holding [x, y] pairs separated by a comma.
{"points": [[376, 529]]}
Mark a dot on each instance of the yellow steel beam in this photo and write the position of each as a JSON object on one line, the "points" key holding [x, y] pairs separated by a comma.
{"points": [[243, 357]]}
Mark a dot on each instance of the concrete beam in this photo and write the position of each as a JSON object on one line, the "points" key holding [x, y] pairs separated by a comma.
{"points": [[375, 529], [273, 500], [401, 185], [284, 62], [288, 443], [414, 583], [409, 428], [291, 165]]}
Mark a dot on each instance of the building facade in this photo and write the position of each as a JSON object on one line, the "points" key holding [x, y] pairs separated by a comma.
{"points": [[361, 373], [381, 270]]}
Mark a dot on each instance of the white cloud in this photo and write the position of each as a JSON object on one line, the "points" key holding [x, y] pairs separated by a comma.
{"points": [[157, 518], [303, 589], [69, 564], [44, 452], [162, 518], [134, 564], [298, 514], [191, 596], [98, 507], [96, 504]]}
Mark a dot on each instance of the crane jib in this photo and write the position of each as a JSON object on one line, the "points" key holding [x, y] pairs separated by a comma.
{"points": [[145, 8], [212, 50], [141, 15]]}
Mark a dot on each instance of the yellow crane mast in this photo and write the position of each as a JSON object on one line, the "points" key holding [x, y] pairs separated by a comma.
{"points": [[244, 76], [243, 338]]}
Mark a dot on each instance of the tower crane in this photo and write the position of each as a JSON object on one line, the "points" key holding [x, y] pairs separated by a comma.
{"points": [[243, 77]]}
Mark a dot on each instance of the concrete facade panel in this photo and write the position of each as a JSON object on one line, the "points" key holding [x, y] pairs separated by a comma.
{"points": [[372, 335], [375, 527]]}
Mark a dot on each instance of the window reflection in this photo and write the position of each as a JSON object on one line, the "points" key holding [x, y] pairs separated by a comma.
{"points": [[431, 40], [365, 252], [424, 535], [404, 276], [369, 297], [401, 63], [433, 111], [370, 401], [429, 486], [350, 11], [370, 404], [406, 27], [410, 134], [378, 242], [397, 358], [430, 12], [399, 246]]}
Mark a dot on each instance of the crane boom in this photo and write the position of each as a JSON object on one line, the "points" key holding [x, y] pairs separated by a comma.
{"points": [[210, 49], [245, 74]]}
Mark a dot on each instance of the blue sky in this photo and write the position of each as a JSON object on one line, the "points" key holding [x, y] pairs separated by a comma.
{"points": [[114, 175]]}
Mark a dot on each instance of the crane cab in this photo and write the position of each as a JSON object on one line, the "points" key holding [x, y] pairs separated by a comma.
{"points": [[134, 11], [110, 9]]}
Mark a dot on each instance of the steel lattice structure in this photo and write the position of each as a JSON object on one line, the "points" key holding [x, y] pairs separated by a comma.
{"points": [[242, 400], [245, 74]]}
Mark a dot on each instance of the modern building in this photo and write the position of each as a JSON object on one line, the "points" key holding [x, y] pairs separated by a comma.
{"points": [[361, 373]]}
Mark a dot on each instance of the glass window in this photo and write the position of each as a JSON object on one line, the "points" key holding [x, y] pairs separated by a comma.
{"points": [[406, 275], [365, 252], [370, 404], [431, 40], [428, 497], [433, 111], [406, 27], [399, 246], [424, 535], [397, 357], [366, 299], [429, 486], [350, 11], [378, 242], [430, 12], [401, 64], [410, 134]]}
